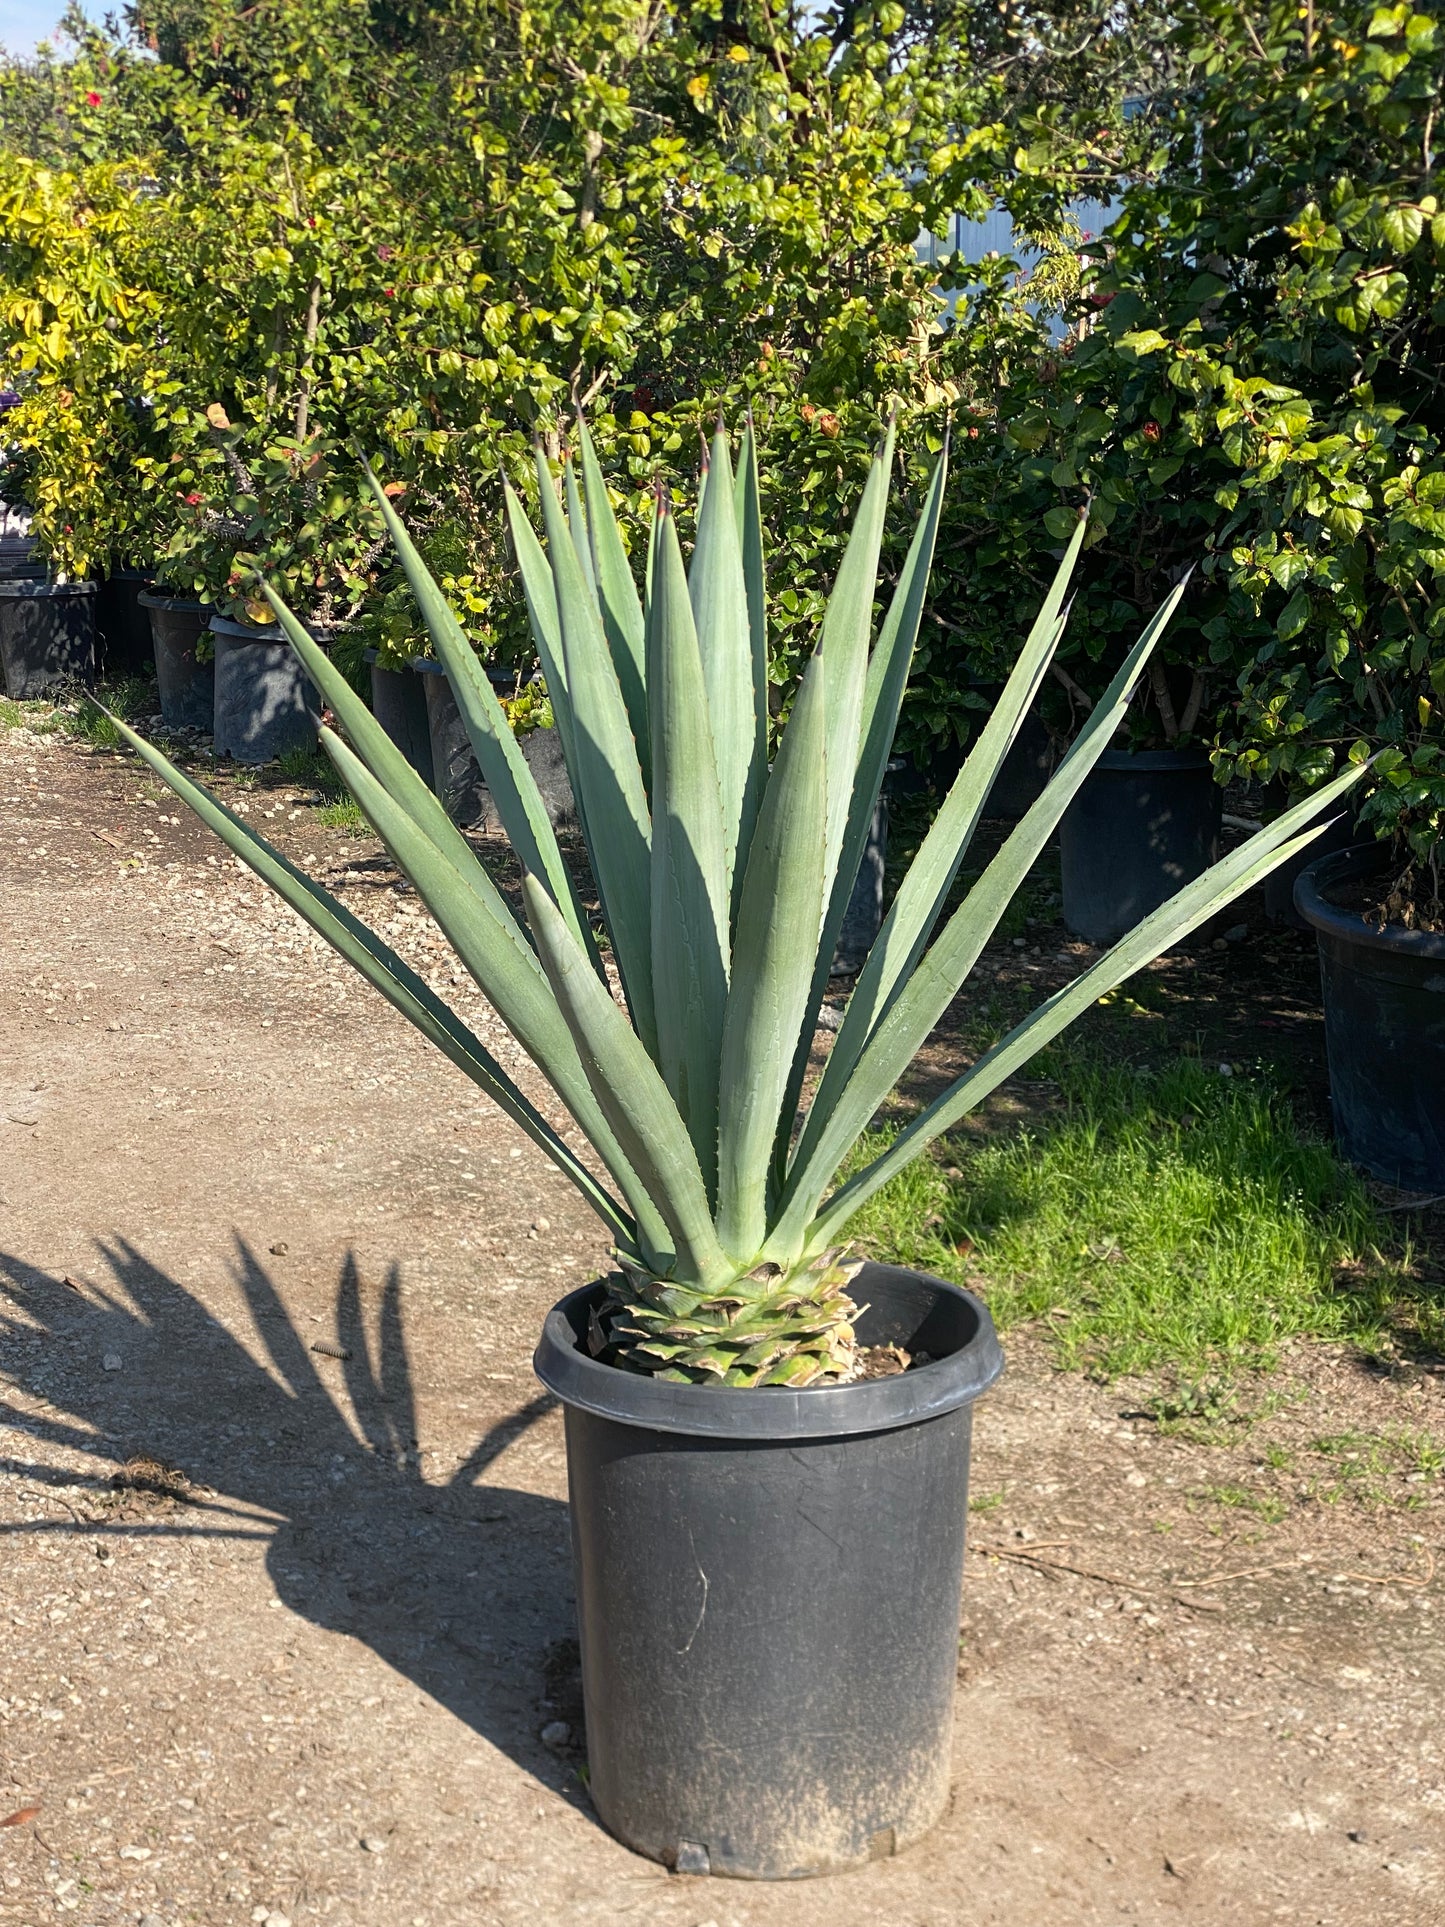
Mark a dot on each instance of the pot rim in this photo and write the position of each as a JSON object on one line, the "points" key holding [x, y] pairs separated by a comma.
{"points": [[17, 586], [163, 599], [1148, 761], [246, 631], [775, 1413], [1349, 926]]}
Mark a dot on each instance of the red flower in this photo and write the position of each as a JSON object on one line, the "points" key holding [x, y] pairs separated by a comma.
{"points": [[92, 99], [1152, 431], [390, 292], [193, 500]]}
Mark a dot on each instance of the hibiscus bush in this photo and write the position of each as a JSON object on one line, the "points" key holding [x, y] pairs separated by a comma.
{"points": [[434, 232], [1249, 384]]}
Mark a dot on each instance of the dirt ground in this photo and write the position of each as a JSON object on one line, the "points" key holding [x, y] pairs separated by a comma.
{"points": [[282, 1628]]}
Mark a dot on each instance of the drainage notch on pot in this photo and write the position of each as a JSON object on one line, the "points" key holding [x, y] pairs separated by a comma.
{"points": [[265, 702], [768, 1589]]}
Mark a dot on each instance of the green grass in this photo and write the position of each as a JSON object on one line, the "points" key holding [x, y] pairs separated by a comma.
{"points": [[1162, 1218], [342, 814], [303, 765], [1370, 1466], [39, 716], [337, 810], [128, 697]]}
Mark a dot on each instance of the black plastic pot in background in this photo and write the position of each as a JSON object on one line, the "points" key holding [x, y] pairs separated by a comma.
{"points": [[1384, 997], [266, 704], [187, 685], [1141, 827], [1024, 772], [1279, 885], [456, 774], [47, 636], [20, 558], [398, 701], [863, 918], [542, 752], [768, 1591], [122, 626]]}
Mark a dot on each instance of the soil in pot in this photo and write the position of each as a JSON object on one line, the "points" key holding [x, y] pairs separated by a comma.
{"points": [[768, 1589], [1384, 998], [398, 701], [122, 626], [187, 684], [1141, 827], [265, 701], [47, 636]]}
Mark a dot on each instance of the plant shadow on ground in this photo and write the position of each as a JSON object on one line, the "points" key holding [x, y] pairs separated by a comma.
{"points": [[464, 1589]]}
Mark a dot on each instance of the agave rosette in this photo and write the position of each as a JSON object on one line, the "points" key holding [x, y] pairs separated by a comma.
{"points": [[724, 854]]}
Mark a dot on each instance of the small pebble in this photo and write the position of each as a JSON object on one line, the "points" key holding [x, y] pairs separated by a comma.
{"points": [[1236, 933], [111, 1362], [542, 1224], [279, 1249], [152, 1920], [555, 1734], [372, 1843]]}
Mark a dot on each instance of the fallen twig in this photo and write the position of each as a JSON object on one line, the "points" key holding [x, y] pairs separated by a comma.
{"points": [[1030, 1558], [1392, 1578], [80, 1518], [1249, 1572]]}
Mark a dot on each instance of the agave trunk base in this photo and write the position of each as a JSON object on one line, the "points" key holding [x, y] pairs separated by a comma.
{"points": [[768, 1591]]}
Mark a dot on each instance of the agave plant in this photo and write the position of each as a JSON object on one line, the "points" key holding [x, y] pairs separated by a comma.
{"points": [[724, 857]]}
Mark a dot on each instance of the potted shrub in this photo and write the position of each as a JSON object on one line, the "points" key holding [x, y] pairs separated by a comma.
{"points": [[247, 503], [768, 1514], [1280, 277], [1077, 412]]}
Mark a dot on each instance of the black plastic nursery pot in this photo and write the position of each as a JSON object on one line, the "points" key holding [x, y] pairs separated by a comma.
{"points": [[122, 626], [768, 1588], [456, 774], [398, 702], [1279, 885], [187, 685], [1384, 998], [47, 636], [265, 702], [1141, 827], [1023, 773]]}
